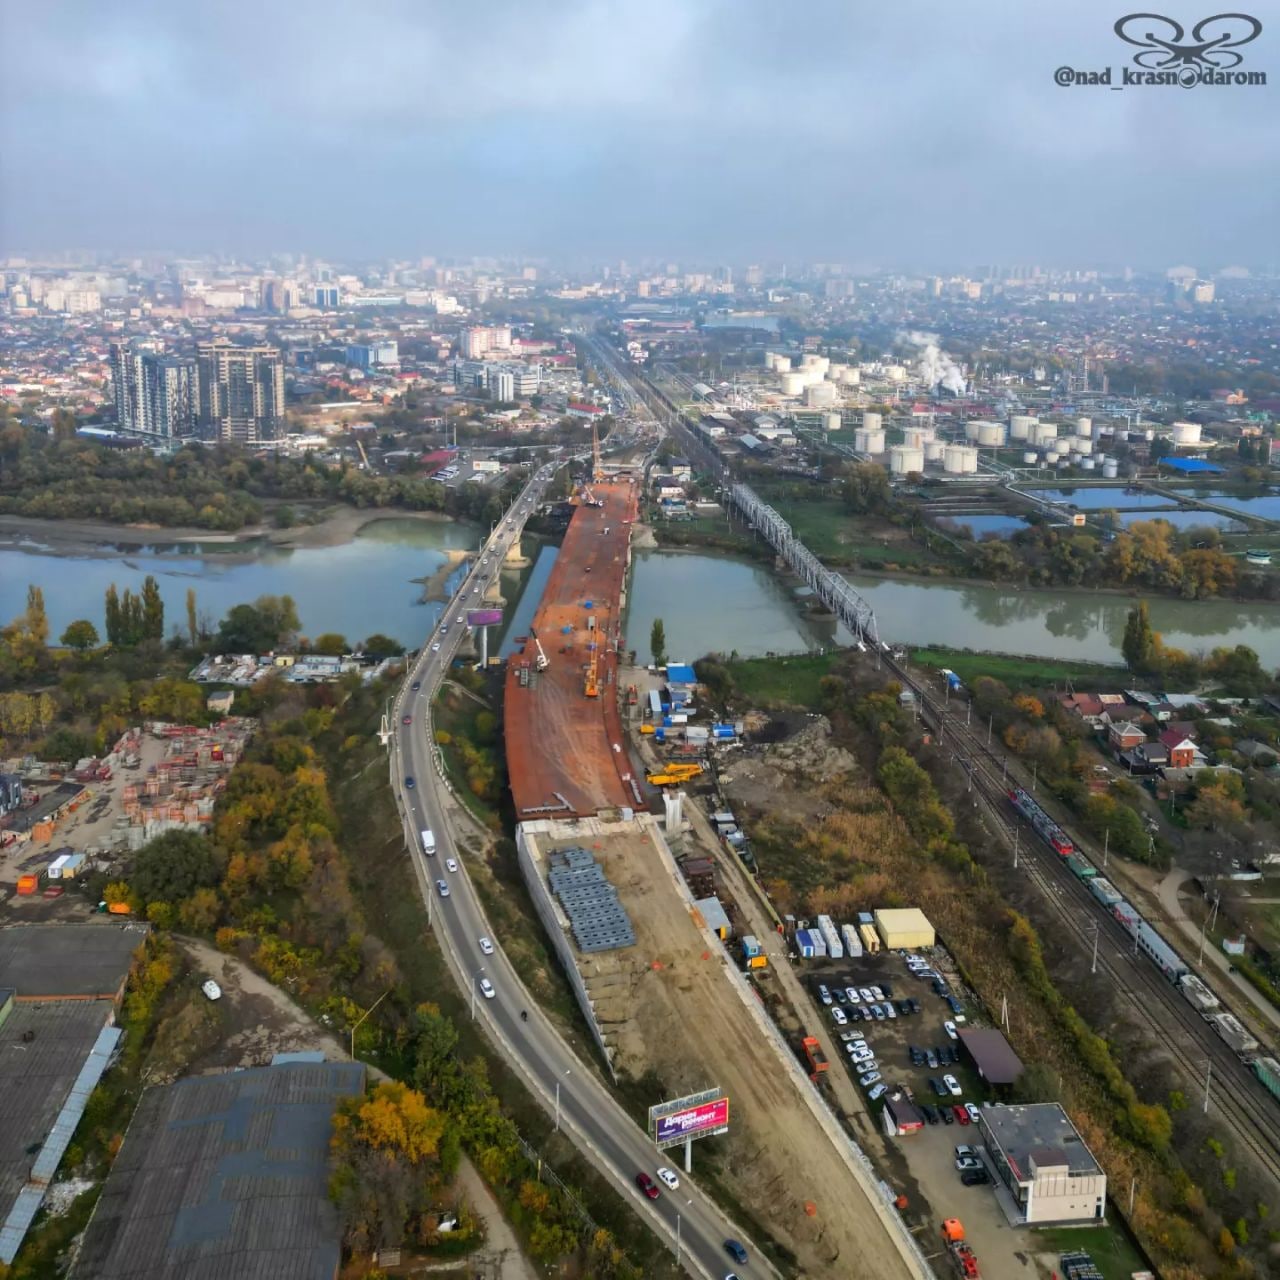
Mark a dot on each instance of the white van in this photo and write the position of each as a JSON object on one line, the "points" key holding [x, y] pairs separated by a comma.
{"points": [[428, 843]]}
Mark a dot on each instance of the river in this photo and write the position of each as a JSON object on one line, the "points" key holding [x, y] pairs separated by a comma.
{"points": [[707, 602]]}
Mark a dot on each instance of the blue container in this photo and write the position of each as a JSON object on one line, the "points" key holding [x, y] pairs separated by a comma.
{"points": [[659, 735], [666, 722]]}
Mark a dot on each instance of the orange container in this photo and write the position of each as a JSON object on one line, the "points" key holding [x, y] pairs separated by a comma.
{"points": [[119, 909], [27, 885]]}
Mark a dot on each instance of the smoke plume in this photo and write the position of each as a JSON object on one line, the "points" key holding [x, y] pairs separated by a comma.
{"points": [[933, 366]]}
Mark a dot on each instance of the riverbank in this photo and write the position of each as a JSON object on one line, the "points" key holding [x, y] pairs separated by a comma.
{"points": [[336, 526]]}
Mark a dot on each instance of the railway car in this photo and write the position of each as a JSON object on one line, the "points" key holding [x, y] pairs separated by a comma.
{"points": [[1197, 995], [1159, 951], [1268, 1072], [1045, 827], [1236, 1038], [1126, 914], [1081, 868], [1104, 891]]}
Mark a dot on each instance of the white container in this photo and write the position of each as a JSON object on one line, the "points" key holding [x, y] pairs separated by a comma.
{"points": [[1064, 460], [959, 459], [1020, 426], [1084, 427], [865, 441], [851, 377], [834, 370], [991, 435], [818, 394], [793, 384], [1081, 445], [770, 360], [1031, 457], [915, 437], [1186, 433], [872, 421], [1052, 457], [832, 422], [1043, 433], [903, 460], [1087, 464], [895, 372], [934, 450], [972, 429], [1110, 469], [782, 364]]}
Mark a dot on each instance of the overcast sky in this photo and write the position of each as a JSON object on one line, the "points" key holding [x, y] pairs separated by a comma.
{"points": [[923, 133]]}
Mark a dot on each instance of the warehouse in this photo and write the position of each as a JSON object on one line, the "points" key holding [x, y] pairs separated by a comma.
{"points": [[904, 928]]}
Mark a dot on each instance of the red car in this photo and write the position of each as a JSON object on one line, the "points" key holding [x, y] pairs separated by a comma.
{"points": [[407, 720], [647, 1185], [960, 1113]]}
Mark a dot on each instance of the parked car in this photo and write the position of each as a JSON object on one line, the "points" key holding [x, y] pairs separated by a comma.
{"points": [[974, 1114], [966, 1155], [947, 1117], [839, 997], [930, 1113], [953, 1085], [877, 993], [866, 1081], [950, 1029], [211, 990], [938, 1087], [879, 1012], [887, 989], [837, 1016], [867, 996], [978, 1177], [847, 1037], [961, 1115], [931, 1057], [852, 993], [889, 1010], [877, 1092], [917, 1055], [864, 1013], [823, 994]]}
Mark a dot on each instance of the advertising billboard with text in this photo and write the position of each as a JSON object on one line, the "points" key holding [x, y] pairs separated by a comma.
{"points": [[484, 617], [693, 1122]]}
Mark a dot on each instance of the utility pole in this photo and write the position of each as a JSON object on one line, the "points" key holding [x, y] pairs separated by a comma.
{"points": [[1093, 968], [362, 1017], [1017, 839], [677, 1239], [991, 719], [968, 714], [1208, 1075], [1106, 845], [1204, 926]]}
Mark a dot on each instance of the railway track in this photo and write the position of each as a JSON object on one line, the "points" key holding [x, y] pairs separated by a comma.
{"points": [[1234, 1094]]}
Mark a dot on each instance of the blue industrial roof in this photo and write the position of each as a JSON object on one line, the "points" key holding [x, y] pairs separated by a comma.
{"points": [[1192, 466], [680, 673]]}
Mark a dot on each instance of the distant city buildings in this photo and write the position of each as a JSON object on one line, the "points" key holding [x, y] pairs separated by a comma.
{"points": [[240, 393], [502, 381], [374, 355], [479, 341]]}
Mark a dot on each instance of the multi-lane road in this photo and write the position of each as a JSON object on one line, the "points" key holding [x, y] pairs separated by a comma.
{"points": [[567, 1086]]}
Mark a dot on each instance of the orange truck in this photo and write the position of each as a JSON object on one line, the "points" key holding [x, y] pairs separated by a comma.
{"points": [[963, 1259], [813, 1051]]}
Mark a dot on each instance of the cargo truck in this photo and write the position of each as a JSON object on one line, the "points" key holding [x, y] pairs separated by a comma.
{"points": [[817, 1059]]}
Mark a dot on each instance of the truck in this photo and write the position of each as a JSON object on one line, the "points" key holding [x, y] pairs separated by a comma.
{"points": [[817, 1059], [428, 842], [963, 1260]]}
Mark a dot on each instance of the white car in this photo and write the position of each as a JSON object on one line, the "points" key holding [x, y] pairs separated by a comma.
{"points": [[953, 1086], [450, 864], [435, 648], [668, 1178], [889, 1010], [486, 989], [442, 889], [950, 1029], [869, 1079], [867, 997], [824, 995], [837, 1016], [486, 947], [459, 618], [211, 989], [877, 993]]}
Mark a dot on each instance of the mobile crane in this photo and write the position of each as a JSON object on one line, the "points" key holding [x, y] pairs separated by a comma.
{"points": [[541, 662]]}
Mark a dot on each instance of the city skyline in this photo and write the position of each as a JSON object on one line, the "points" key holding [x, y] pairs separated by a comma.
{"points": [[695, 130]]}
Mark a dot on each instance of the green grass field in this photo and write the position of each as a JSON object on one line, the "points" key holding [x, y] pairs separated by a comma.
{"points": [[781, 681], [1022, 673], [1108, 1246]]}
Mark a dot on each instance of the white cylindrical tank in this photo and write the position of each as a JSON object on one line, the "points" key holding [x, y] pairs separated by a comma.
{"points": [[959, 459], [1087, 464], [1064, 460], [770, 360], [1043, 433], [1084, 427], [918, 437], [1148, 435], [832, 422], [1052, 457], [972, 429], [851, 376], [991, 435], [872, 421], [1110, 469], [782, 364], [903, 460], [835, 369], [817, 394], [819, 364], [1080, 445], [1020, 426], [868, 440], [895, 372], [1186, 433], [1031, 457], [934, 450], [793, 384]]}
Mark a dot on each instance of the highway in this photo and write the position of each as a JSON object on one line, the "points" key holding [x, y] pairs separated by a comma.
{"points": [[569, 1089]]}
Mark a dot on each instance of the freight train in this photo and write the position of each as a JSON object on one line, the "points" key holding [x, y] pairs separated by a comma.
{"points": [[1046, 828], [1146, 939]]}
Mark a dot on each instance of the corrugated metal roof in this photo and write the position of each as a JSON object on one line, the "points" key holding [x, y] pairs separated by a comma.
{"points": [[55, 1145]]}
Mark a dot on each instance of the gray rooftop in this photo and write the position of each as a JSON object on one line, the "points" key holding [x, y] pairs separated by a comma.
{"points": [[68, 960], [36, 1075], [224, 1177], [1039, 1130]]}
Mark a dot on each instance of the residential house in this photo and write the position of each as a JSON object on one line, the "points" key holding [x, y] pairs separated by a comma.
{"points": [[667, 487], [1088, 706], [1182, 749], [1257, 753], [1146, 757], [1125, 735]]}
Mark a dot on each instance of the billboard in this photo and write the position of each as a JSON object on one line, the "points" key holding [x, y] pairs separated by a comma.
{"points": [[484, 617], [698, 1116]]}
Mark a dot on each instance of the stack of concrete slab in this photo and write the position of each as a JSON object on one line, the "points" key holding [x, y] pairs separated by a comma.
{"points": [[598, 920]]}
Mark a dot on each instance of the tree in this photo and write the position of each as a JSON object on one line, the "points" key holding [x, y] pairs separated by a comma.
{"points": [[269, 623], [1139, 643], [80, 635], [173, 866], [152, 610], [380, 646], [37, 621], [658, 642], [331, 644], [866, 488], [193, 623], [112, 610]]}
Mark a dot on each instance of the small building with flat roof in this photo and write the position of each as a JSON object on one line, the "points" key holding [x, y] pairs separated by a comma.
{"points": [[1040, 1159], [991, 1054], [904, 927]]}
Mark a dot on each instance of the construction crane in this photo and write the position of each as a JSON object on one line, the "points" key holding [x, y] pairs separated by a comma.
{"points": [[672, 775], [592, 685], [542, 662], [597, 473]]}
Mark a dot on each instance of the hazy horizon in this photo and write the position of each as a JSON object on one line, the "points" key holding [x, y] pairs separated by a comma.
{"points": [[590, 130]]}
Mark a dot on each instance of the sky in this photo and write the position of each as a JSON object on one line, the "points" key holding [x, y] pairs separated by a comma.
{"points": [[922, 134]]}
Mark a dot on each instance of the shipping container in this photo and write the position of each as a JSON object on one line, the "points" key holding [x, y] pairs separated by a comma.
{"points": [[852, 943], [835, 949], [758, 962], [750, 945], [723, 731], [1233, 1034], [724, 819], [1104, 891], [27, 885], [870, 939], [119, 909], [55, 867], [865, 917], [819, 943], [804, 944]]}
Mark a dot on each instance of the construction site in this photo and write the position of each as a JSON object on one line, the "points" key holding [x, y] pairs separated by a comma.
{"points": [[658, 987]]}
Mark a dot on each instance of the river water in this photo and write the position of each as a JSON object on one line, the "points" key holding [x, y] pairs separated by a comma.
{"points": [[707, 603]]}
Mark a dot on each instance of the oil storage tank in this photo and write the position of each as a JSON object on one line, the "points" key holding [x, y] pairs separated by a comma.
{"points": [[904, 459], [1020, 426]]}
